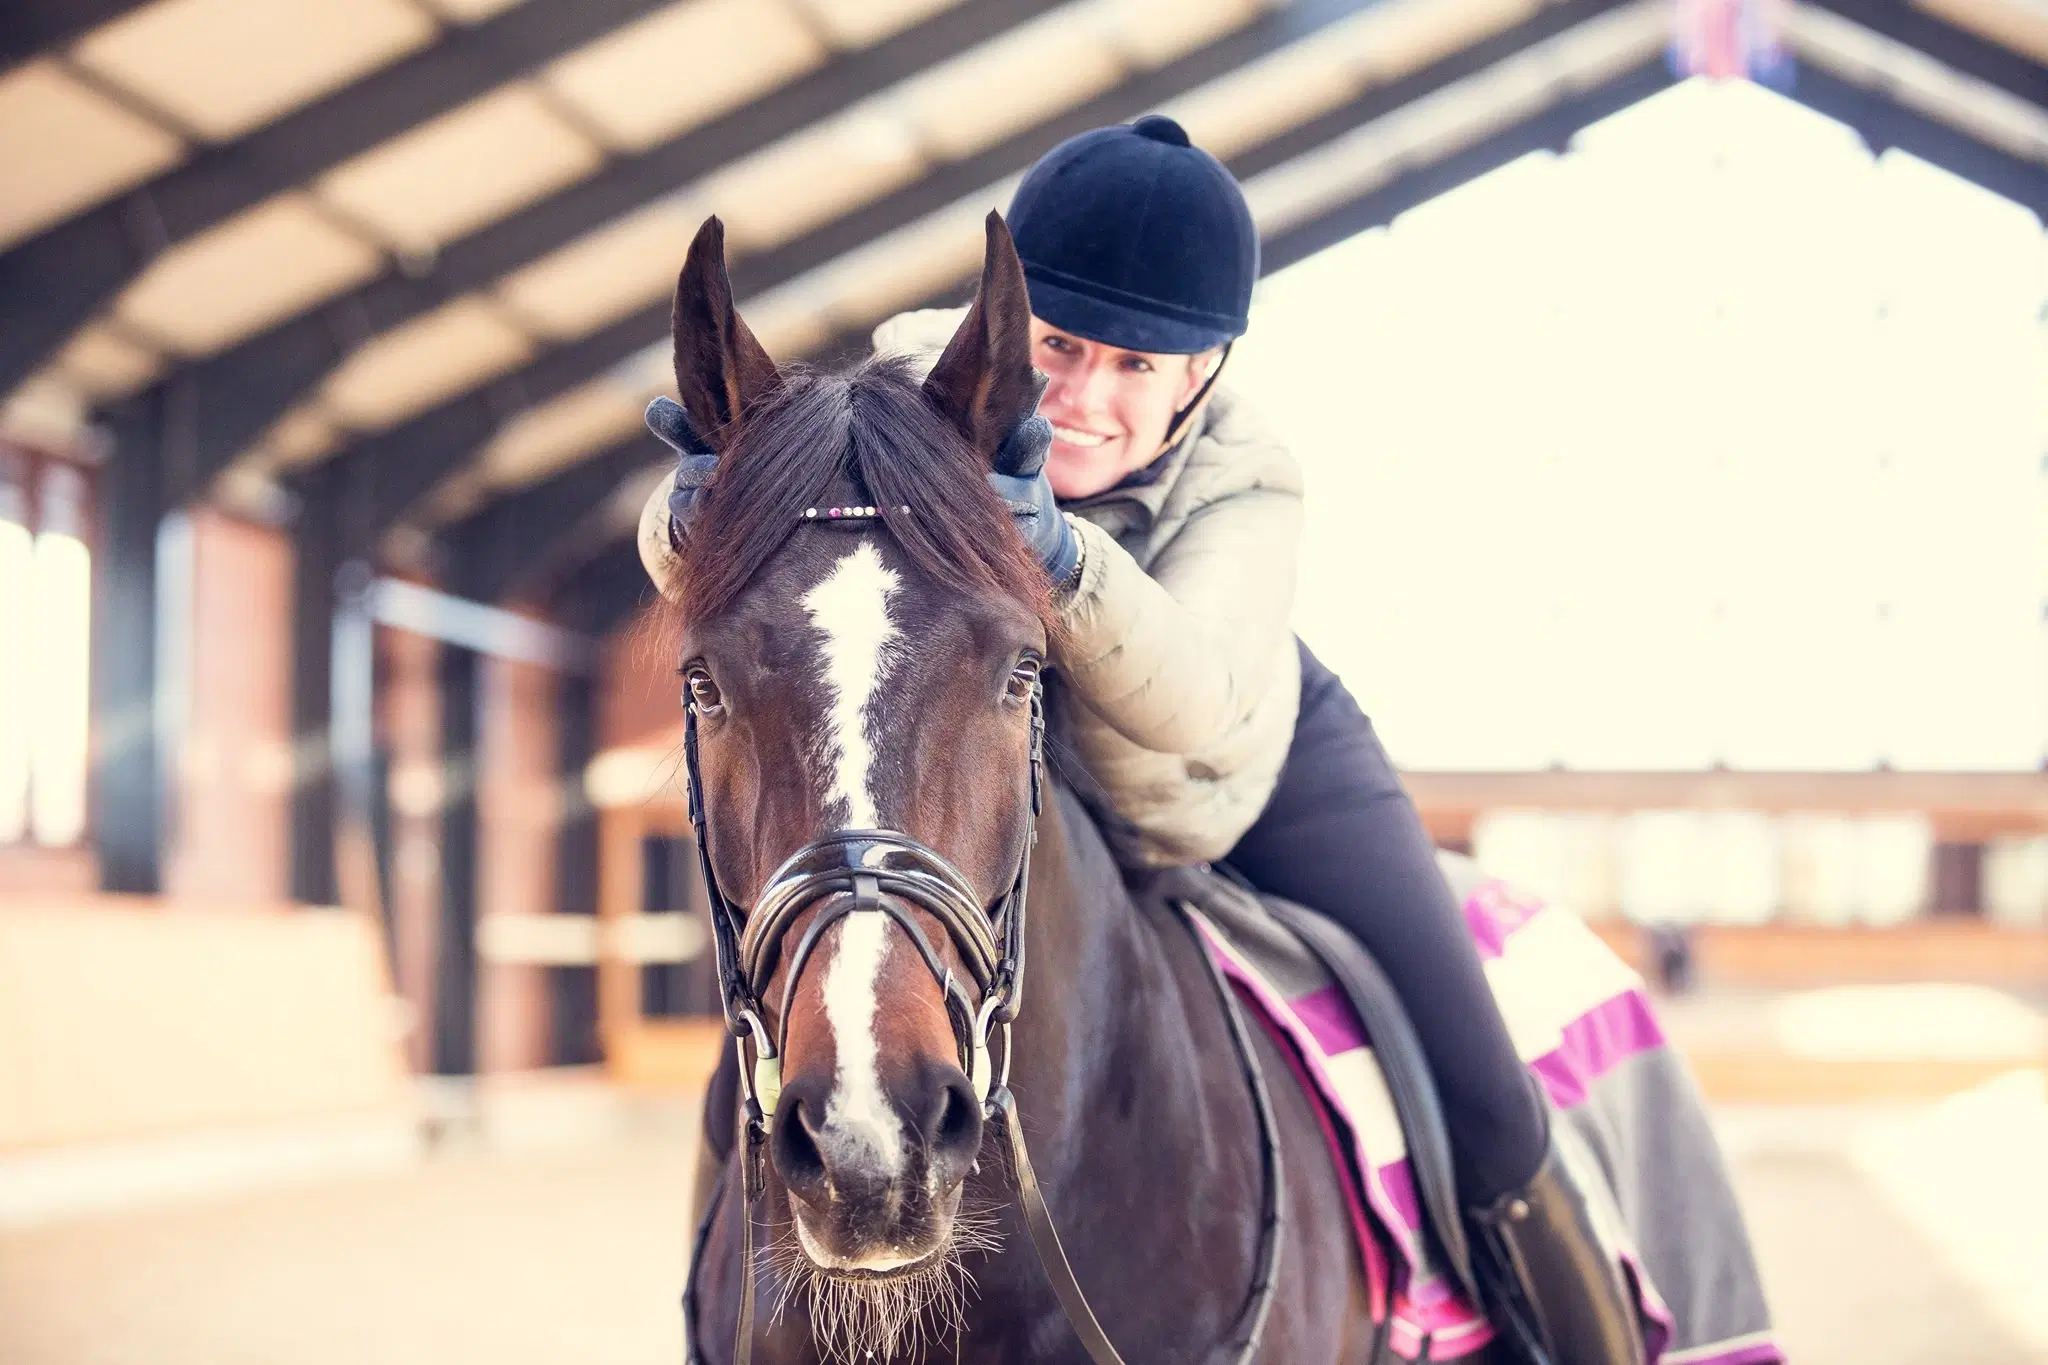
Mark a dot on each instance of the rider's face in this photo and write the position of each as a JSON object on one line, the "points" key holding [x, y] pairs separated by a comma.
{"points": [[1109, 409]]}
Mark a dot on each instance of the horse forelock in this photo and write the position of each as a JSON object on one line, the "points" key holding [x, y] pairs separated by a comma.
{"points": [[869, 433]]}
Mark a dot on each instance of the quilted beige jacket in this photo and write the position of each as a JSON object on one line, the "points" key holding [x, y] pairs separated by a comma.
{"points": [[1183, 680]]}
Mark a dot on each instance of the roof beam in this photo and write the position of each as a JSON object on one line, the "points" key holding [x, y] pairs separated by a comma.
{"points": [[523, 542], [247, 387], [53, 283], [606, 591], [1883, 123], [1550, 129], [388, 473], [1952, 46], [415, 464], [37, 26]]}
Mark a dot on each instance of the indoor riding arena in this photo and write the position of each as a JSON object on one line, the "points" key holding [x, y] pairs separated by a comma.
{"points": [[1669, 381]]}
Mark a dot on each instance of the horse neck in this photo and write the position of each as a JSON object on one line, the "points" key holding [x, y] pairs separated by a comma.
{"points": [[1099, 1030], [1130, 1122]]}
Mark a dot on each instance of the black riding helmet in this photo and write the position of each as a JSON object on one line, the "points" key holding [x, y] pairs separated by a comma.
{"points": [[1134, 238]]}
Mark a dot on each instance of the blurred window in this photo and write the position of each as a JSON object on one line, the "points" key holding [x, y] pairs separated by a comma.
{"points": [[45, 618]]}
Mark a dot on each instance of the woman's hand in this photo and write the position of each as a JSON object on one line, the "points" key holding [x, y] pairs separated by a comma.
{"points": [[1019, 480], [695, 460]]}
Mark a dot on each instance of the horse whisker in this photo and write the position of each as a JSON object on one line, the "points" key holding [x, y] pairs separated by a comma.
{"points": [[898, 1318]]}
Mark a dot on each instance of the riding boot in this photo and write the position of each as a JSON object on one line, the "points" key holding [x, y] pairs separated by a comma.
{"points": [[1542, 1266]]}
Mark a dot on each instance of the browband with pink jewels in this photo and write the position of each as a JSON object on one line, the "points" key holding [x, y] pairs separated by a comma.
{"points": [[849, 513]]}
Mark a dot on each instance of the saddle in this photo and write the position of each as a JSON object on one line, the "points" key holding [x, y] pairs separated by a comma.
{"points": [[1223, 897]]}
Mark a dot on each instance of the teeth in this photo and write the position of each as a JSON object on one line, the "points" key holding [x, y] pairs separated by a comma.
{"points": [[1078, 438]]}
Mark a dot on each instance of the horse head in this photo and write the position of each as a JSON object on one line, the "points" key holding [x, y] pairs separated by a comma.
{"points": [[863, 631]]}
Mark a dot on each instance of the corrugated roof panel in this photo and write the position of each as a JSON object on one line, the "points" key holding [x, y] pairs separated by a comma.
{"points": [[103, 363], [470, 11], [857, 23], [1266, 98], [1919, 81], [886, 275], [300, 437], [64, 147], [786, 325], [2021, 25], [1300, 82], [683, 65], [557, 434], [1603, 48], [596, 279], [445, 352], [255, 269], [469, 167], [810, 177], [1010, 83], [1154, 32], [44, 411], [1438, 124], [223, 67], [452, 499], [1394, 39]]}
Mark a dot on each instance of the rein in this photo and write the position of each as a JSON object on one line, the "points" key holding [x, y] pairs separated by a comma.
{"points": [[888, 871]]}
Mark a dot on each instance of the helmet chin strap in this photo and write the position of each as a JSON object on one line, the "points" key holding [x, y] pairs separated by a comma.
{"points": [[1179, 426]]}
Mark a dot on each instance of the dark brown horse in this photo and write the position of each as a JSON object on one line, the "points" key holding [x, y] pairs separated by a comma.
{"points": [[862, 638]]}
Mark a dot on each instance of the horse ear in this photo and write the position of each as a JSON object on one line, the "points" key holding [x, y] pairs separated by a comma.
{"points": [[721, 370], [984, 382]]}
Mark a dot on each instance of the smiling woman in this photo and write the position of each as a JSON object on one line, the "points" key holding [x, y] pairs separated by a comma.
{"points": [[45, 609], [1112, 410]]}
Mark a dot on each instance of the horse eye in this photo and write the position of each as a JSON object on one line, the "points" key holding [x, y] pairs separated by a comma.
{"points": [[1023, 678], [702, 692]]}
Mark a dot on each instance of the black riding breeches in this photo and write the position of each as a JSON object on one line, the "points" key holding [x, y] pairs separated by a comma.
{"points": [[1340, 836]]}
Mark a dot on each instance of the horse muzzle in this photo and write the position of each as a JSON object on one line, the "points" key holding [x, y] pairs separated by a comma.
{"points": [[875, 1186]]}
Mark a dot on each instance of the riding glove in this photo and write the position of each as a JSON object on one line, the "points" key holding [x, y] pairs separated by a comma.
{"points": [[695, 460], [1019, 480]]}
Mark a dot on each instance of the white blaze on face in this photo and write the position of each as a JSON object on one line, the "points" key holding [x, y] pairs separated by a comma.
{"points": [[851, 607], [860, 1124]]}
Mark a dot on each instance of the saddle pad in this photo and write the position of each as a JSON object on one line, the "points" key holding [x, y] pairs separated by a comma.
{"points": [[1627, 1118]]}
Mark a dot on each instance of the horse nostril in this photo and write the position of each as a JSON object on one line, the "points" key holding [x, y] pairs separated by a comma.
{"points": [[953, 1132], [795, 1147], [961, 1120]]}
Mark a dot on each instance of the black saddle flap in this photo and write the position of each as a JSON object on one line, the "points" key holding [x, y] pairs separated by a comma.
{"points": [[1395, 1045]]}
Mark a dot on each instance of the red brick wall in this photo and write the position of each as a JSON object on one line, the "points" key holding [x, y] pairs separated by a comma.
{"points": [[517, 812], [228, 843], [639, 702], [409, 722]]}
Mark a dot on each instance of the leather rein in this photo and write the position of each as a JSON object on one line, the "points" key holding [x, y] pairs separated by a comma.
{"points": [[887, 871]]}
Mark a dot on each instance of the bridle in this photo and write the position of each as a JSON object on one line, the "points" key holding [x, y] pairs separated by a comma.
{"points": [[887, 871]]}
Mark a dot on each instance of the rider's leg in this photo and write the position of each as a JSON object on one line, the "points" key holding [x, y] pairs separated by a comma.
{"points": [[1341, 836]]}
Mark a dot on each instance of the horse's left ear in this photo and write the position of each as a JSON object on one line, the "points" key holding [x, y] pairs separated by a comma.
{"points": [[984, 381], [721, 370]]}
